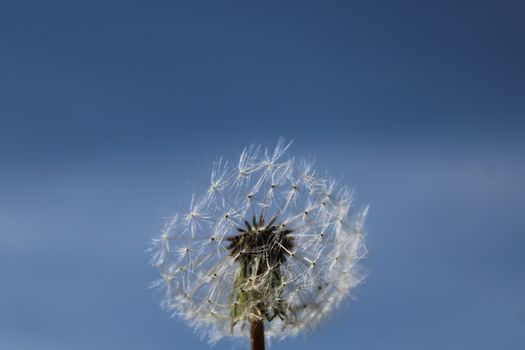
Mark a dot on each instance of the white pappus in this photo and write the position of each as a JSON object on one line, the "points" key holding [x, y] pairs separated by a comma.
{"points": [[269, 240]]}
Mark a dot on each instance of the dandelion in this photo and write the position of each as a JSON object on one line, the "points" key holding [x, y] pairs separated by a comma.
{"points": [[268, 250]]}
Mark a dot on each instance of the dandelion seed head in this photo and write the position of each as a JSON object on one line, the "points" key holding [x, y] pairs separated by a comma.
{"points": [[267, 240]]}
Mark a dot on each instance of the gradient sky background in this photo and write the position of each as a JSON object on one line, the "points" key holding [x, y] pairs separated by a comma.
{"points": [[111, 113]]}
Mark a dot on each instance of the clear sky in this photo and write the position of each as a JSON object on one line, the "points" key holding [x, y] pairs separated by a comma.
{"points": [[111, 113]]}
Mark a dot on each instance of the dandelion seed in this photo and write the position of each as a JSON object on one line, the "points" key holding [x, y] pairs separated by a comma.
{"points": [[270, 246]]}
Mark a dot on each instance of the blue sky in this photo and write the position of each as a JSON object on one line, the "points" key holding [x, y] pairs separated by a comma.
{"points": [[112, 112]]}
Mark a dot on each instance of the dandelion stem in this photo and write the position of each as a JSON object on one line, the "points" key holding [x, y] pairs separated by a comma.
{"points": [[257, 334]]}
